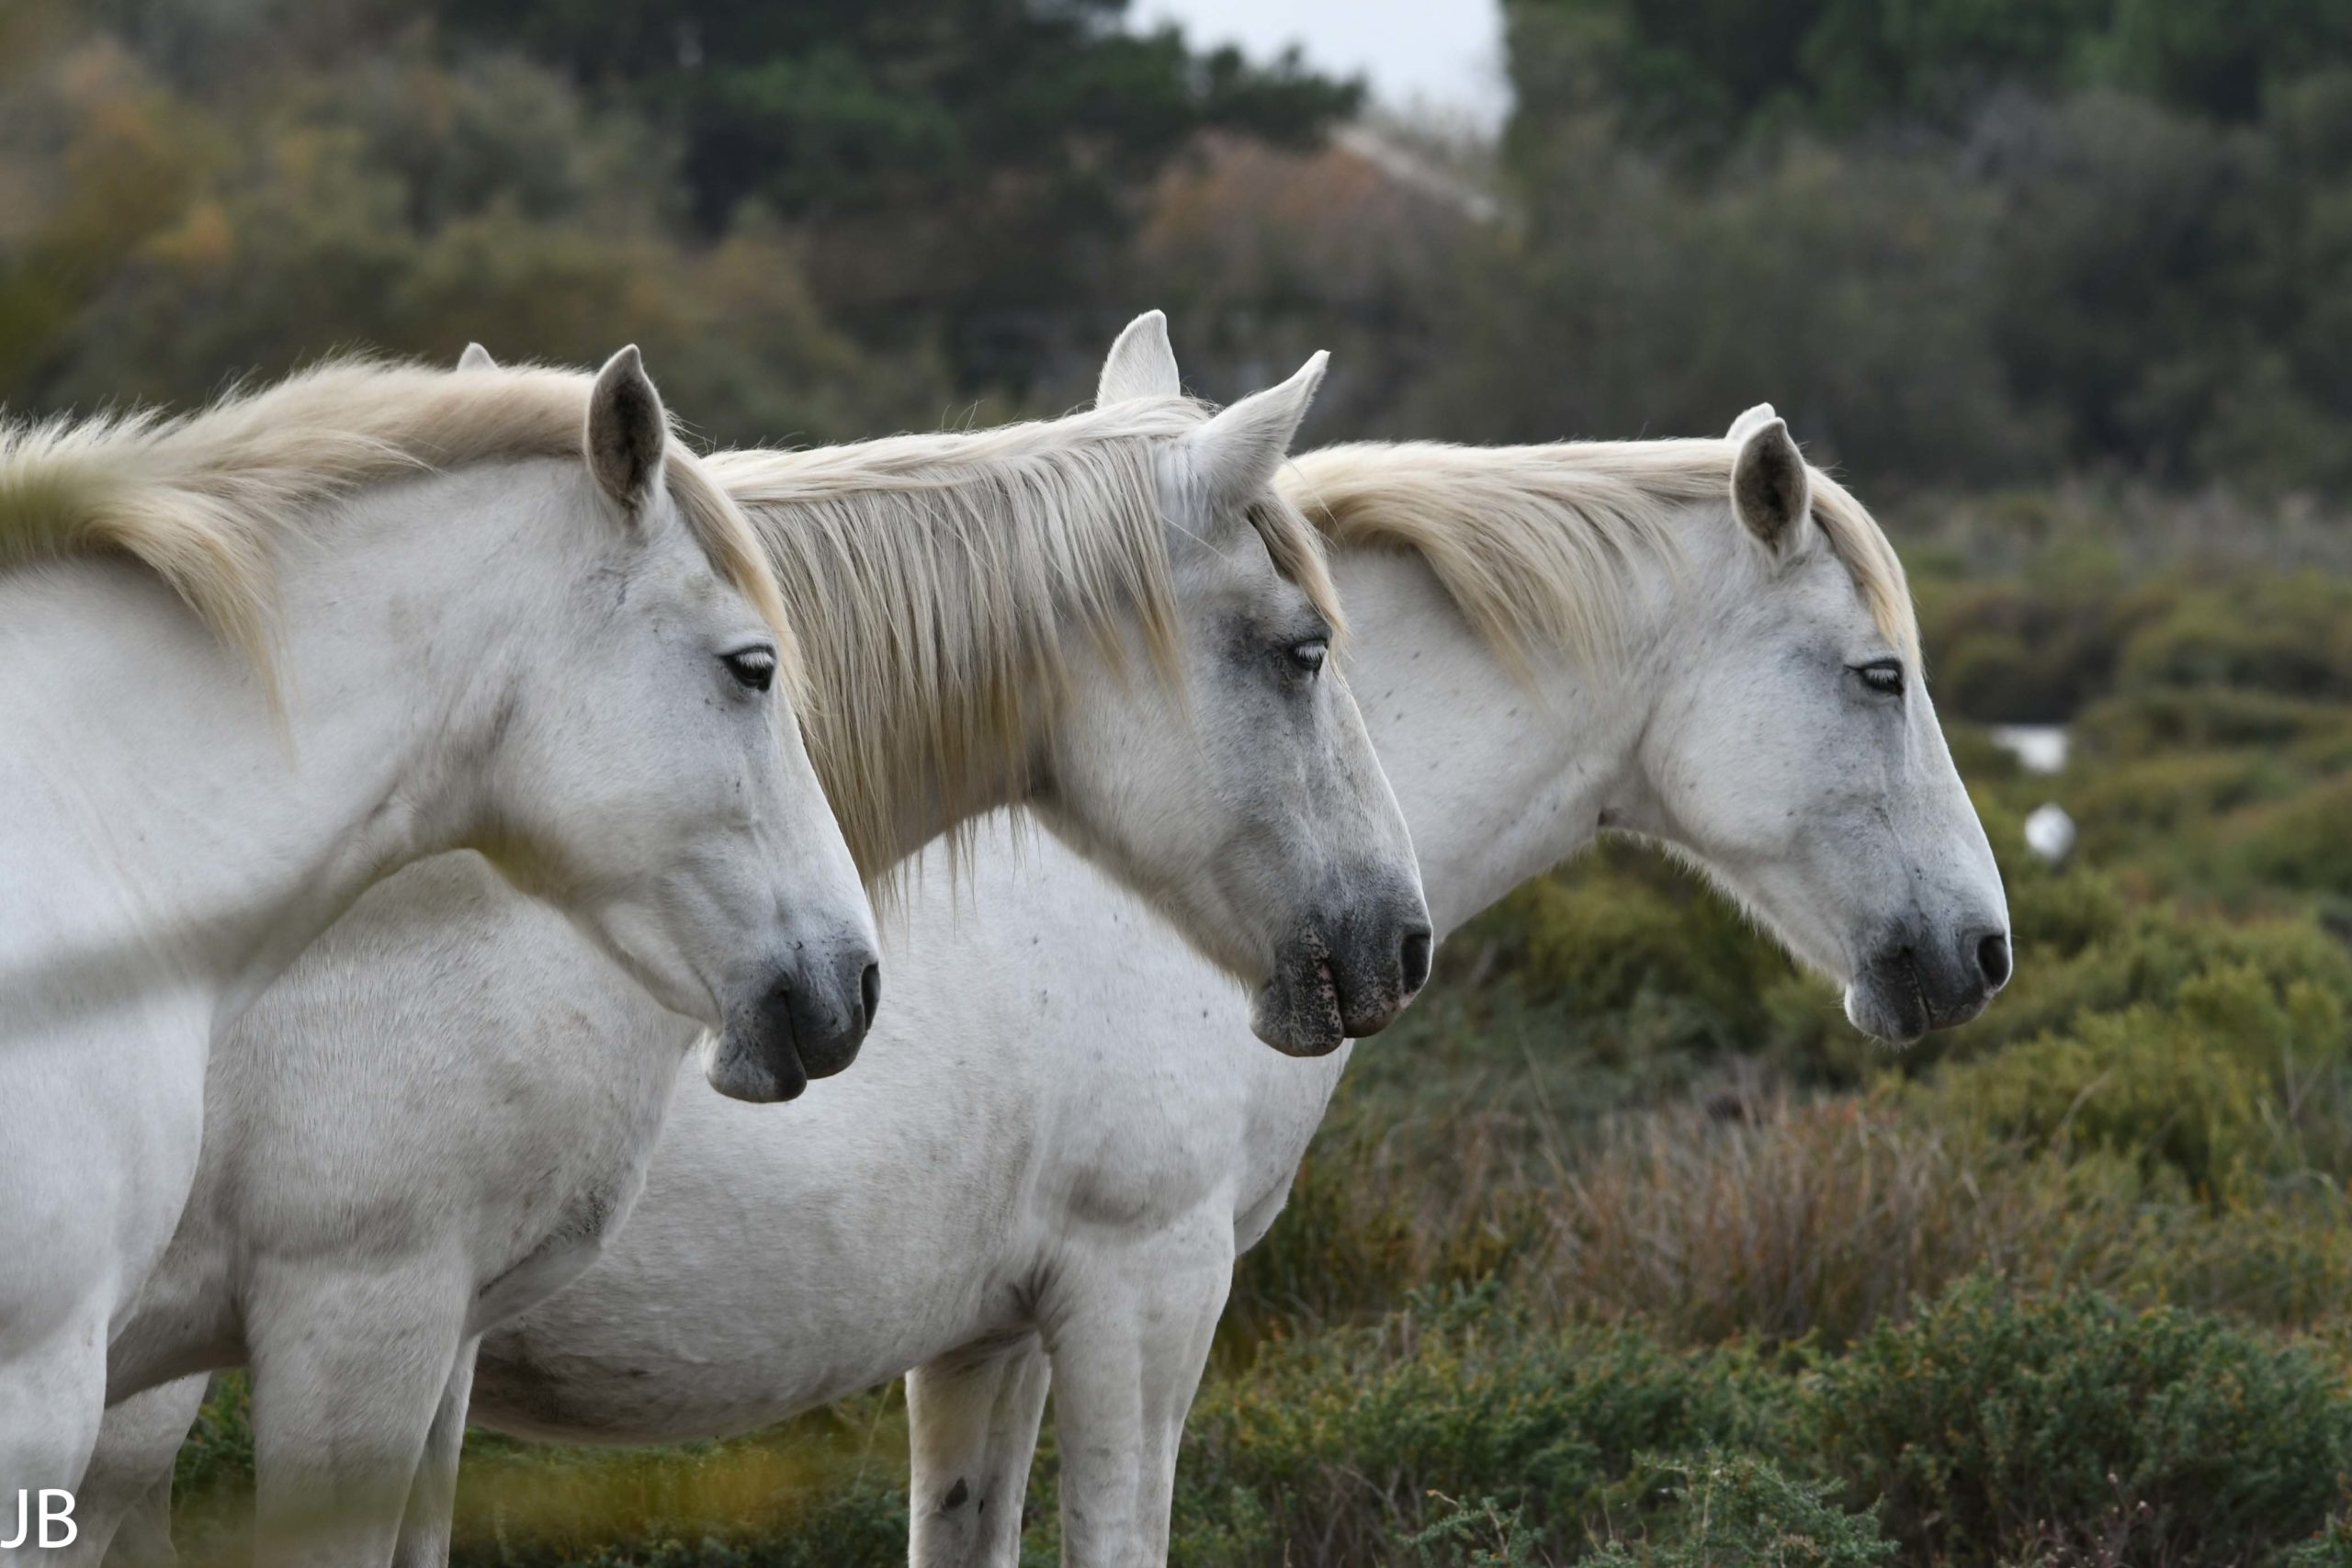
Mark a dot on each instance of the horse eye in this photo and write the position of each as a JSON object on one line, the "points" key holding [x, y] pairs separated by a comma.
{"points": [[1309, 655], [1882, 675], [752, 667]]}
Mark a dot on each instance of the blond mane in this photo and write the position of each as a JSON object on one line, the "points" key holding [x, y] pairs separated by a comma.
{"points": [[204, 500], [1538, 544], [948, 572]]}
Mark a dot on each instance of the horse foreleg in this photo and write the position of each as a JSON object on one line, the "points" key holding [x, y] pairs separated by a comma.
{"points": [[53, 1392], [124, 1507], [432, 1500], [349, 1371], [1129, 1338], [973, 1418]]}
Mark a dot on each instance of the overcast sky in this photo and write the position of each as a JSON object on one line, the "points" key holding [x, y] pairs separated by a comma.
{"points": [[1445, 54]]}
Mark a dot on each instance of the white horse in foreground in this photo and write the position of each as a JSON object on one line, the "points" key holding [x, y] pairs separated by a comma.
{"points": [[981, 614], [428, 611], [1058, 1142]]}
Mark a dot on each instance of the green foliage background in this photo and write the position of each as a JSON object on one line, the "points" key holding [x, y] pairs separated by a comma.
{"points": [[1622, 1249]]}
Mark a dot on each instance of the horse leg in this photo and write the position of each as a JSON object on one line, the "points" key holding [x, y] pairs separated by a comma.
{"points": [[1129, 1345], [432, 1500], [124, 1505], [52, 1395], [973, 1414], [350, 1371]]}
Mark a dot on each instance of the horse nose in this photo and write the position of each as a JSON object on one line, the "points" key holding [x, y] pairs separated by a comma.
{"points": [[1415, 960], [831, 1000], [1992, 960]]}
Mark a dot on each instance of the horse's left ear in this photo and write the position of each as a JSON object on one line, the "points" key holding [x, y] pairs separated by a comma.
{"points": [[1237, 453], [1141, 364], [628, 431], [1769, 487]]}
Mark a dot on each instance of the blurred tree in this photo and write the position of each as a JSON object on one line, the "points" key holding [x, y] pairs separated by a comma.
{"points": [[1703, 73], [399, 203], [965, 164]]}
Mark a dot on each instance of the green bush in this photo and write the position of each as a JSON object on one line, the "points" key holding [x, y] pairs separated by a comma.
{"points": [[2140, 1083], [1347, 1440], [2146, 960], [2288, 633], [1991, 1425], [1738, 1508]]}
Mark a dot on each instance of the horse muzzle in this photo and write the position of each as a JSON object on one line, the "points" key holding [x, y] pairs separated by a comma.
{"points": [[1910, 987], [807, 1023], [1346, 976]]}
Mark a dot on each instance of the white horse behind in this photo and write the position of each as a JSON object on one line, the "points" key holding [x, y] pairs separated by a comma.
{"points": [[1058, 1143], [1086, 614], [253, 659]]}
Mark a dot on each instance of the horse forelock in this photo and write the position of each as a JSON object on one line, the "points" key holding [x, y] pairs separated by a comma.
{"points": [[942, 576]]}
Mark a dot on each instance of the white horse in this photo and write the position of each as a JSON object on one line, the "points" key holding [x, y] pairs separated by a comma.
{"points": [[253, 659], [1059, 1141], [978, 613]]}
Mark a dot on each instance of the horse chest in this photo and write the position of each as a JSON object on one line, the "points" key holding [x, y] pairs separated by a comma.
{"points": [[566, 1227]]}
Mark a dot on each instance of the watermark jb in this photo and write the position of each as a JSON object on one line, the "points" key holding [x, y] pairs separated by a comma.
{"points": [[43, 1519]]}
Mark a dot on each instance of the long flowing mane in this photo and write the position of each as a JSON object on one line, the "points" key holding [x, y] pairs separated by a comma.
{"points": [[948, 572], [1537, 544], [204, 500]]}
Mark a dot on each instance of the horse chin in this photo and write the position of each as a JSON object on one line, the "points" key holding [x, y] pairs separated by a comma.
{"points": [[1894, 1016], [743, 1071], [1297, 1012]]}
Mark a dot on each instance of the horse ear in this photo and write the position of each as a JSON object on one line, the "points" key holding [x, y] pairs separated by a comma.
{"points": [[476, 358], [1747, 425], [1237, 453], [1141, 364], [628, 431], [1770, 488]]}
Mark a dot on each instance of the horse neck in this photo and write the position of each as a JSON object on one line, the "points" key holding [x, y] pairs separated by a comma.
{"points": [[203, 828], [997, 764], [1499, 776]]}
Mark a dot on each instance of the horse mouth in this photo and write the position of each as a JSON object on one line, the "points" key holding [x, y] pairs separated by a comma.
{"points": [[759, 1076], [1299, 1011], [1892, 1001]]}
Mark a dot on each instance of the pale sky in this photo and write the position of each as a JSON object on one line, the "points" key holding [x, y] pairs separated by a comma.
{"points": [[1442, 54]]}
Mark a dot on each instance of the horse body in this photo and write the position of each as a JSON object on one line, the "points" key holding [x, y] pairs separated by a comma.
{"points": [[446, 1109], [179, 825], [1063, 1141]]}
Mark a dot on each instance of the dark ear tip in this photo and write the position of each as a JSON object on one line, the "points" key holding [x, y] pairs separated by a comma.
{"points": [[625, 365]]}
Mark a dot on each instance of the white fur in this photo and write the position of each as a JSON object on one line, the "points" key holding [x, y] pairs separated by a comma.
{"points": [[1060, 1137], [498, 1087], [495, 655]]}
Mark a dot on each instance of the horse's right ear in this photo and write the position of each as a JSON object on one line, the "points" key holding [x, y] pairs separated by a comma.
{"points": [[1141, 364], [628, 431], [476, 358], [1769, 487]]}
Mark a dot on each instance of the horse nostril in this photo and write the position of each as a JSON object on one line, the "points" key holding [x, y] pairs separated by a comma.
{"points": [[869, 987], [1993, 961], [1417, 961]]}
